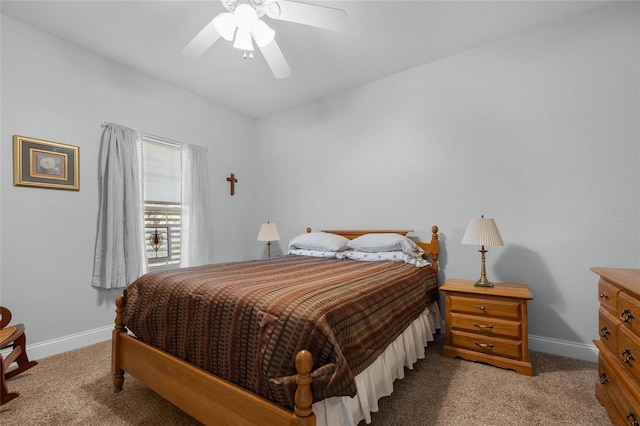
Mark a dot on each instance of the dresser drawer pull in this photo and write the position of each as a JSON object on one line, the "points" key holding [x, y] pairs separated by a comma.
{"points": [[482, 308], [632, 417], [603, 378], [626, 315], [627, 356], [605, 296], [484, 345], [482, 326], [604, 332]]}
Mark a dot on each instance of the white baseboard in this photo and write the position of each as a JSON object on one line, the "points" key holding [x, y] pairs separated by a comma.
{"points": [[587, 352], [583, 351], [52, 347]]}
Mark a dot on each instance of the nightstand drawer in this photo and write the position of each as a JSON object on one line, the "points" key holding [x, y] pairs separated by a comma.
{"points": [[486, 326], [487, 345], [484, 306]]}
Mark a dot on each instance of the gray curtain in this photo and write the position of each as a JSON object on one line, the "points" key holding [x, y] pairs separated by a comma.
{"points": [[119, 252], [197, 223]]}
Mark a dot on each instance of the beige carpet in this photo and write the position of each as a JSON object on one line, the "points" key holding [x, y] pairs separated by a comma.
{"points": [[75, 389]]}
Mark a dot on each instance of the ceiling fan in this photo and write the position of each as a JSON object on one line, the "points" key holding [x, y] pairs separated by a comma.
{"points": [[243, 25]]}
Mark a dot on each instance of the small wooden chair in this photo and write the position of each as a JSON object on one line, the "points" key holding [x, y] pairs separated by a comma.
{"points": [[14, 337]]}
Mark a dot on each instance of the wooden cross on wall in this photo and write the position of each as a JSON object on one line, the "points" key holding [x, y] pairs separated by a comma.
{"points": [[232, 180]]}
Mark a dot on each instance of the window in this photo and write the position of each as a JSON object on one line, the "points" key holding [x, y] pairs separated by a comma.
{"points": [[162, 198], [162, 233], [171, 180]]}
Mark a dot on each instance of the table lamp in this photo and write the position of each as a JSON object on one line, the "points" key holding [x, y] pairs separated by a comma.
{"points": [[482, 232], [268, 232]]}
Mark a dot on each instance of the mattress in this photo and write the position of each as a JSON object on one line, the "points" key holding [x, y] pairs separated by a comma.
{"points": [[245, 321]]}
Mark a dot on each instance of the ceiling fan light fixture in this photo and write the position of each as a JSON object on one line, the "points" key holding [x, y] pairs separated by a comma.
{"points": [[243, 40], [263, 34], [246, 17], [225, 24], [243, 22]]}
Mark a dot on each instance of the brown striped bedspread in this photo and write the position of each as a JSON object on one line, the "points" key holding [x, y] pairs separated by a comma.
{"points": [[245, 321]]}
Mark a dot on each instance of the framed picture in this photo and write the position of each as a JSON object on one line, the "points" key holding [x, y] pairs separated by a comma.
{"points": [[45, 164]]}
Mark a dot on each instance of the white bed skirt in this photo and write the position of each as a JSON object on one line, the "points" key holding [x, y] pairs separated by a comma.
{"points": [[376, 381]]}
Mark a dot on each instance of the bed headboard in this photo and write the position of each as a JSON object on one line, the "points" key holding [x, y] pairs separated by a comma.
{"points": [[431, 249]]}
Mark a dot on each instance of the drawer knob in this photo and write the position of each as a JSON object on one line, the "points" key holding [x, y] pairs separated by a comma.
{"points": [[482, 326], [482, 308], [605, 296], [627, 356], [604, 332], [603, 378], [483, 345], [627, 315], [632, 418]]}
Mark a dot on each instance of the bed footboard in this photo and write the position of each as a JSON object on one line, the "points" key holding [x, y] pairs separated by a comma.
{"points": [[201, 394]]}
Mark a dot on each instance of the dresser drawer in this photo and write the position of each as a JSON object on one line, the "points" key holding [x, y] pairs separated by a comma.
{"points": [[486, 326], [618, 386], [629, 352], [608, 329], [605, 374], [629, 310], [617, 389], [487, 345], [485, 307], [608, 295]]}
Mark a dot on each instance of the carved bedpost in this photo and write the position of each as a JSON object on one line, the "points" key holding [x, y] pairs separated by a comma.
{"points": [[435, 244], [118, 373], [303, 413]]}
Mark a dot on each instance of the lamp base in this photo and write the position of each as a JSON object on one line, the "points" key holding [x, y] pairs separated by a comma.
{"points": [[483, 282]]}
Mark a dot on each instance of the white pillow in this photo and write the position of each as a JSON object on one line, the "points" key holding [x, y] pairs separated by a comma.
{"points": [[314, 253], [391, 256], [320, 241], [373, 243]]}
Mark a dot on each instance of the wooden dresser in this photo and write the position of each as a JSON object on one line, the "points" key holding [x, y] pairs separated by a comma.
{"points": [[488, 324], [618, 388]]}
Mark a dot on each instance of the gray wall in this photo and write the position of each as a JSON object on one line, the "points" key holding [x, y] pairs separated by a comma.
{"points": [[539, 131], [56, 91]]}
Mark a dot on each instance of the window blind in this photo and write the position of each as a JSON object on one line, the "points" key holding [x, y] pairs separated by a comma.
{"points": [[162, 171], [162, 207]]}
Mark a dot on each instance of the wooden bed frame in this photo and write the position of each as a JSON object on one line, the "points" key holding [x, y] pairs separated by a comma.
{"points": [[208, 398]]}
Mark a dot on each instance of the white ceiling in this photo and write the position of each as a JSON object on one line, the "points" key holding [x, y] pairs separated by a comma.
{"points": [[382, 38]]}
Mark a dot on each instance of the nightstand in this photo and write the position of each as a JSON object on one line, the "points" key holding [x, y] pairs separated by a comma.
{"points": [[488, 324]]}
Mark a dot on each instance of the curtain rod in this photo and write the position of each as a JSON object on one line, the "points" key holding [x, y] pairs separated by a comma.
{"points": [[159, 139]]}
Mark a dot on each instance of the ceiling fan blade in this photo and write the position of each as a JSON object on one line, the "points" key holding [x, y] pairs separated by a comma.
{"points": [[202, 41], [324, 17], [275, 59]]}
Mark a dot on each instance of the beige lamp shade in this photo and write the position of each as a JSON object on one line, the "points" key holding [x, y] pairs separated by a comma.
{"points": [[268, 232], [482, 231]]}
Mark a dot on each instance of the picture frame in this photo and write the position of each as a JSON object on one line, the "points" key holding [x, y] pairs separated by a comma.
{"points": [[45, 164]]}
